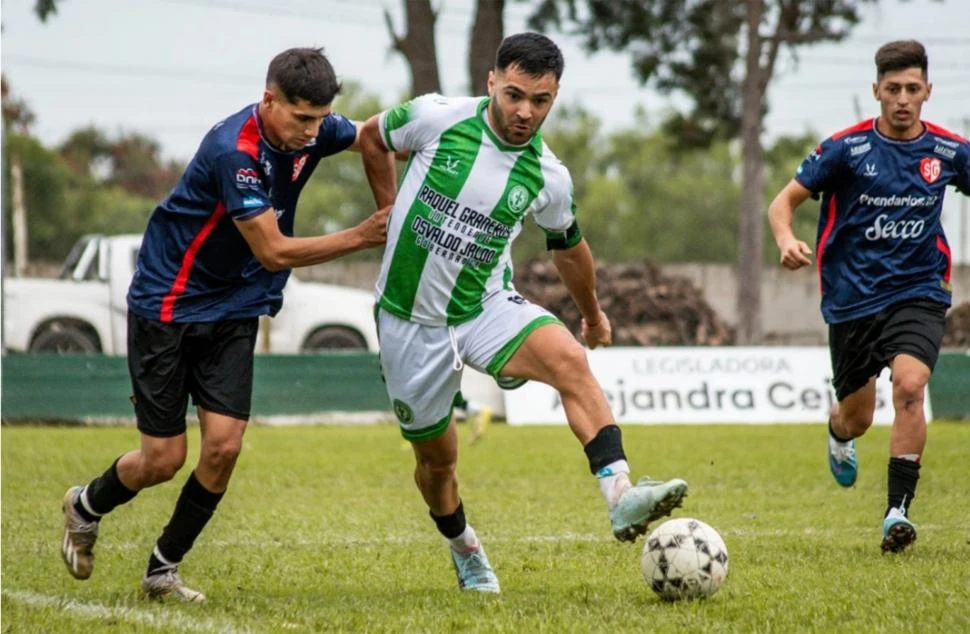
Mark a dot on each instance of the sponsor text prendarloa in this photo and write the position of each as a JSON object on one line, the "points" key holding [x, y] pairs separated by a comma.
{"points": [[898, 201]]}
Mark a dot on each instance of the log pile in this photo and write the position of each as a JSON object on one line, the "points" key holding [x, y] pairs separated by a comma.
{"points": [[956, 333], [645, 307]]}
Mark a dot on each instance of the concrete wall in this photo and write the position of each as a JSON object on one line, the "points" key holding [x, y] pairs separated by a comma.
{"points": [[790, 299]]}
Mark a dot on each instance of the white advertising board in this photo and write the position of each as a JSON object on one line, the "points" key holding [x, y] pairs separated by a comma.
{"points": [[705, 385]]}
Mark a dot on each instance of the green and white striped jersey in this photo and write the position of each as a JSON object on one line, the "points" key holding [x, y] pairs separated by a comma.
{"points": [[461, 203]]}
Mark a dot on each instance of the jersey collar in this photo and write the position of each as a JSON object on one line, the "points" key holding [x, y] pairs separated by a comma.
{"points": [[883, 137]]}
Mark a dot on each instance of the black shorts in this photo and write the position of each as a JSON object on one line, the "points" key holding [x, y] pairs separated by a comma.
{"points": [[212, 362], [861, 348]]}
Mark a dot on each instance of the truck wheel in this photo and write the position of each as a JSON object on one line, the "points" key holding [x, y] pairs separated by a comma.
{"points": [[65, 338], [333, 338]]}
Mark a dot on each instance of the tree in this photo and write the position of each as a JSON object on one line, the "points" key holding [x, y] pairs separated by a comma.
{"points": [[417, 45], [132, 161], [64, 204], [487, 31], [45, 8], [714, 51], [17, 115]]}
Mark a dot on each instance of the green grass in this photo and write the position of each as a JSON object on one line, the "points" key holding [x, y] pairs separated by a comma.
{"points": [[323, 531]]}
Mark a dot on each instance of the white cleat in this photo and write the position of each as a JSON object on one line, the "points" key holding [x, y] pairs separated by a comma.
{"points": [[77, 547], [167, 583]]}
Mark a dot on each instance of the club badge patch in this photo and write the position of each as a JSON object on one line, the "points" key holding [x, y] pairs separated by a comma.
{"points": [[929, 169]]}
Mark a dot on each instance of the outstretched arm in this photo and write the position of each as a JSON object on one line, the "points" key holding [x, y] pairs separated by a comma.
{"points": [[578, 273], [781, 213], [276, 251]]}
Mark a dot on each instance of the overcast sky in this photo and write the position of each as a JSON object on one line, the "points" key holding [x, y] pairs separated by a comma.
{"points": [[172, 68]]}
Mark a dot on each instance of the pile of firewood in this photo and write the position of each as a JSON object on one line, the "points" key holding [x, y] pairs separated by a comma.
{"points": [[645, 307], [956, 333]]}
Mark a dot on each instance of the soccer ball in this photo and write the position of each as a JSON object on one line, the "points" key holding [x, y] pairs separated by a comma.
{"points": [[684, 558]]}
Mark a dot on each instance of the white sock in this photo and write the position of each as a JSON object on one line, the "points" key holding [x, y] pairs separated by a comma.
{"points": [[613, 479], [468, 540]]}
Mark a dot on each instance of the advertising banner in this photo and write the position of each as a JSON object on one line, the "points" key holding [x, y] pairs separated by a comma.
{"points": [[705, 385]]}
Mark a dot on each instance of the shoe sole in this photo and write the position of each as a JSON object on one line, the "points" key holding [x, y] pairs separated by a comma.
{"points": [[66, 551], [898, 538], [666, 505], [161, 597]]}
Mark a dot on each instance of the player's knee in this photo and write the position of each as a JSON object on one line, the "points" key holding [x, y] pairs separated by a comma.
{"points": [[162, 468], [222, 454], [438, 467], [857, 422], [908, 390]]}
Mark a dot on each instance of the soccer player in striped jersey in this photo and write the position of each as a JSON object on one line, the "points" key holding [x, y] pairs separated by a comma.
{"points": [[884, 266], [216, 255], [478, 166]]}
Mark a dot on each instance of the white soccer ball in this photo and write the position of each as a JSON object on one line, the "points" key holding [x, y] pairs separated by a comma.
{"points": [[684, 558]]}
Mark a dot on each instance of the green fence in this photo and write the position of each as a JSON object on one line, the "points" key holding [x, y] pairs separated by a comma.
{"points": [[73, 387], [950, 386], [51, 387]]}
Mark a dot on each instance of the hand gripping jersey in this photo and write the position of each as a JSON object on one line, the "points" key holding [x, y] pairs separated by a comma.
{"points": [[462, 200], [194, 265], [880, 238]]}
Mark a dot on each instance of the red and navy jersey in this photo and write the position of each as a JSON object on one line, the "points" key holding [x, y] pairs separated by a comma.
{"points": [[194, 265], [880, 238]]}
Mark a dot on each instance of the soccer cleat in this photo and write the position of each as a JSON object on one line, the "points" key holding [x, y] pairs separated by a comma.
{"points": [[77, 547], [167, 583], [479, 424], [842, 461], [647, 501], [897, 532], [473, 570]]}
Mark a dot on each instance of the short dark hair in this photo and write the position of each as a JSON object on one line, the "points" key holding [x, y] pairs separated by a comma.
{"points": [[900, 55], [532, 53], [304, 73]]}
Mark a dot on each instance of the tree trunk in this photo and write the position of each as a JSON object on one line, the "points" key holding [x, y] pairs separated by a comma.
{"points": [[486, 35], [19, 219], [751, 239], [418, 45]]}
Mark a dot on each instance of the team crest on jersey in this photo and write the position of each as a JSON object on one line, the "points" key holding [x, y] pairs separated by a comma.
{"points": [[298, 164], [403, 412], [929, 169], [518, 198]]}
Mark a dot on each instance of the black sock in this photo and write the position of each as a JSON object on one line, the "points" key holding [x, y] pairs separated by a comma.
{"points": [[606, 448], [834, 435], [195, 506], [104, 493], [903, 475], [452, 525]]}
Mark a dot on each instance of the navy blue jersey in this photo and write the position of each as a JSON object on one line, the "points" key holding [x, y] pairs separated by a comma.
{"points": [[880, 238], [194, 265]]}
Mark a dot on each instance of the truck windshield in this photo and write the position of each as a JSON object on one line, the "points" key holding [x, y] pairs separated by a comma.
{"points": [[67, 271]]}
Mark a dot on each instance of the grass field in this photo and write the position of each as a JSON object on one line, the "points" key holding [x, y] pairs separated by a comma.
{"points": [[323, 531]]}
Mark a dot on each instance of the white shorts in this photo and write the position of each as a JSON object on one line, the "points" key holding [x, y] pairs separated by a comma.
{"points": [[422, 365]]}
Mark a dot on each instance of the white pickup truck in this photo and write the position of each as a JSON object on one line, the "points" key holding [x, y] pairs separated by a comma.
{"points": [[84, 310]]}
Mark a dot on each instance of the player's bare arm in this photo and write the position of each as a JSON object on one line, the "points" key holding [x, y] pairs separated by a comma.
{"points": [[578, 273], [277, 252], [794, 252], [378, 162]]}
